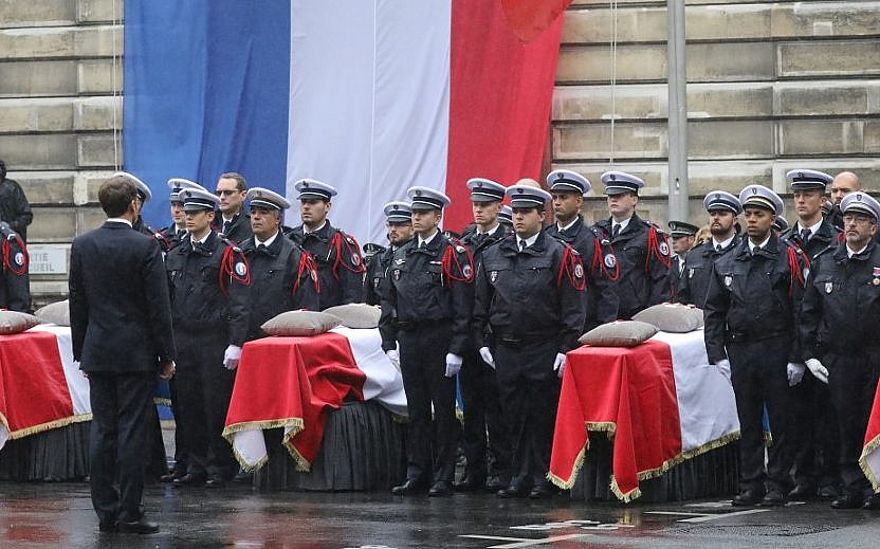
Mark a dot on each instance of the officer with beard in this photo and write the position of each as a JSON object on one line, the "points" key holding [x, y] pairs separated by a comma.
{"points": [[398, 221], [723, 208]]}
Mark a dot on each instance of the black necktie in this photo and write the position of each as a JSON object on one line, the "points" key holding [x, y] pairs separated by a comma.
{"points": [[522, 245], [805, 234], [615, 230], [226, 225], [262, 249], [422, 244], [718, 248]]}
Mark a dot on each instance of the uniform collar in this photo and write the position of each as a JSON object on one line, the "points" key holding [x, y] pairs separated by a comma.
{"points": [[528, 241], [574, 221], [119, 220], [268, 242], [318, 230], [724, 244], [762, 245], [491, 232], [427, 241]]}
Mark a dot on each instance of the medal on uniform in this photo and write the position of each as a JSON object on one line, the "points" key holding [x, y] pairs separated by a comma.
{"points": [[355, 260], [728, 280], [240, 268], [579, 271], [493, 276], [610, 261], [376, 281], [399, 261], [664, 248], [19, 259], [466, 271], [829, 286], [396, 274]]}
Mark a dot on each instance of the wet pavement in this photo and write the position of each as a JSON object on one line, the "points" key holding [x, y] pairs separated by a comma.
{"points": [[60, 515]]}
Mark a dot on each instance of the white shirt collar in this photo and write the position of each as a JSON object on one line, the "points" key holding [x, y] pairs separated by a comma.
{"points": [[623, 224], [268, 242], [570, 225], [723, 244], [306, 229], [428, 240], [201, 240], [752, 246], [528, 241], [490, 231], [813, 228], [850, 252], [230, 218], [119, 220]]}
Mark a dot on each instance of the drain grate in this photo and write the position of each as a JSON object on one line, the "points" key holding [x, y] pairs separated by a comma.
{"points": [[747, 530]]}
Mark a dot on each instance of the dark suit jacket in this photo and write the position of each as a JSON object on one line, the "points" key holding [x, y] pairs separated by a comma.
{"points": [[120, 313]]}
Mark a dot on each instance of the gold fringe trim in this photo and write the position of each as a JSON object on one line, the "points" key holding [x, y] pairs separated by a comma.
{"points": [[870, 447], [48, 426], [768, 439], [610, 428], [162, 401], [302, 464], [295, 424]]}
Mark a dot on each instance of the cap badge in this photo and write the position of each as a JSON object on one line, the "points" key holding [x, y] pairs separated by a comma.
{"points": [[859, 197]]}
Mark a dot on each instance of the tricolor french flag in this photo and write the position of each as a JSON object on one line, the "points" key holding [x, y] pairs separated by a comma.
{"points": [[371, 96]]}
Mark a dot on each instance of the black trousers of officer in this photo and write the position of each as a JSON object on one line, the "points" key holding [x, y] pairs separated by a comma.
{"points": [[482, 413], [815, 434], [852, 380], [529, 393], [423, 365], [760, 377], [204, 388], [121, 405]]}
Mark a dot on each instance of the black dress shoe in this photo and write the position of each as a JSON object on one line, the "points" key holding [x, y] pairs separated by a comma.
{"points": [[408, 488], [142, 526], [243, 477], [470, 483], [803, 492], [774, 498], [542, 491], [515, 490], [441, 488], [747, 498], [872, 503], [215, 482], [189, 479], [848, 501]]}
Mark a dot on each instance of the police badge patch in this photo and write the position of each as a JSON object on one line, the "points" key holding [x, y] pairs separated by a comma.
{"points": [[376, 282], [396, 274], [493, 276], [690, 273], [19, 259], [728, 280], [664, 248], [240, 268], [610, 261], [829, 286], [466, 271], [579, 271], [355, 260]]}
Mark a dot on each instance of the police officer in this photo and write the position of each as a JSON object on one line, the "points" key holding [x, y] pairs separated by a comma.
{"points": [[340, 266], [208, 281], [723, 208], [15, 292], [283, 275], [780, 225], [840, 319], [175, 232], [528, 312], [426, 312], [640, 248], [751, 335], [843, 184], [15, 209], [682, 235], [602, 271], [398, 221], [815, 435], [144, 195], [231, 220], [479, 387], [505, 217]]}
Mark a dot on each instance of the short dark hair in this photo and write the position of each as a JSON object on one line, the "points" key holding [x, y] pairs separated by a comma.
{"points": [[240, 181], [116, 195]]}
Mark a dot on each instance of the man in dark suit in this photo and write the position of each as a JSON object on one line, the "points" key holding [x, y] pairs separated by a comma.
{"points": [[120, 320]]}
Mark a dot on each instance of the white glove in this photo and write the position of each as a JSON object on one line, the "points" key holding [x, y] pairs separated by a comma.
{"points": [[231, 357], [559, 364], [487, 357], [795, 373], [394, 357], [819, 371], [723, 366], [453, 364]]}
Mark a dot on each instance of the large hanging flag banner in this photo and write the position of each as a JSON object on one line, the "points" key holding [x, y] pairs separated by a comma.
{"points": [[371, 96]]}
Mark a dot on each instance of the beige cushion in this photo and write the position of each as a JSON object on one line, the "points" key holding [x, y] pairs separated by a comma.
{"points": [[672, 317], [621, 333], [300, 323], [55, 313], [12, 322], [356, 315]]}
